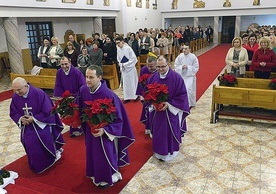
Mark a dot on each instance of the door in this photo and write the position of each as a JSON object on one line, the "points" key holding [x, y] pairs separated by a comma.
{"points": [[228, 29], [109, 26]]}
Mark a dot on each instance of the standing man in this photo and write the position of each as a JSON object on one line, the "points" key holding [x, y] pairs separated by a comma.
{"points": [[186, 64], [72, 40], [41, 135], [149, 69], [127, 61], [71, 79], [106, 149], [168, 125]]}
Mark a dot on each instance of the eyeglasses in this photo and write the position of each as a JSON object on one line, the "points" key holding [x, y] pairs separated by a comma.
{"points": [[161, 67]]}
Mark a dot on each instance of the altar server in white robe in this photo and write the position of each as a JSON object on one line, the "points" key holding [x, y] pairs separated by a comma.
{"points": [[186, 64], [127, 61]]}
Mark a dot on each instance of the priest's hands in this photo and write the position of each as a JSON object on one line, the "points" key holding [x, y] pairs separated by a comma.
{"points": [[26, 120], [184, 67], [99, 132]]}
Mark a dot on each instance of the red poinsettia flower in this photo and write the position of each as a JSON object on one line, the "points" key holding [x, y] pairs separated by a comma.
{"points": [[67, 109], [227, 80], [272, 84], [143, 79], [156, 94], [99, 113]]}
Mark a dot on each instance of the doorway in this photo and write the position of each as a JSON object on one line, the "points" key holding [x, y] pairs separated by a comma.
{"points": [[109, 26], [228, 29]]}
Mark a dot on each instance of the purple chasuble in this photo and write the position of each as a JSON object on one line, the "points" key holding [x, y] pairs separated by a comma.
{"points": [[140, 88], [167, 128], [40, 143], [71, 82], [102, 159]]}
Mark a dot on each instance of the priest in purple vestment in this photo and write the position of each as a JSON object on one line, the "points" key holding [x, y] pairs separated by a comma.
{"points": [[149, 69], [41, 135], [106, 150], [168, 125], [69, 78]]}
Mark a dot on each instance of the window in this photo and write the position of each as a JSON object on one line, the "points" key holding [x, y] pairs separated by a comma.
{"points": [[36, 31]]}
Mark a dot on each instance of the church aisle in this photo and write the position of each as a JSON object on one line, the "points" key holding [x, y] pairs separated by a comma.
{"points": [[232, 156]]}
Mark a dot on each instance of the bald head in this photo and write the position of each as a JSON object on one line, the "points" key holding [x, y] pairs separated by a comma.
{"points": [[20, 86]]}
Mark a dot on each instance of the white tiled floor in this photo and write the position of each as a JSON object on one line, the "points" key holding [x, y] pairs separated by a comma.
{"points": [[232, 156]]}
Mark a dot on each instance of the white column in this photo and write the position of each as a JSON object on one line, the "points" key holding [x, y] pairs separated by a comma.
{"points": [[195, 21], [98, 27], [13, 45], [238, 26], [216, 29]]}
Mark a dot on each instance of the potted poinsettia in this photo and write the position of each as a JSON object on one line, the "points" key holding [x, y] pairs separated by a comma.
{"points": [[227, 80], [156, 94], [99, 113], [272, 84], [67, 109]]}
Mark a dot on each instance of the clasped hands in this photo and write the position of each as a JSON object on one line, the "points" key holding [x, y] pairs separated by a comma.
{"points": [[99, 132], [26, 120], [262, 64], [164, 107]]}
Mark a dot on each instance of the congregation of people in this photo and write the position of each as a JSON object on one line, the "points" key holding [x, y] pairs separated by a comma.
{"points": [[254, 51], [80, 71]]}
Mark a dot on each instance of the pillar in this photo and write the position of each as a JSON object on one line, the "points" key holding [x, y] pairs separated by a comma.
{"points": [[216, 29], [13, 44], [238, 26], [195, 21], [98, 27]]}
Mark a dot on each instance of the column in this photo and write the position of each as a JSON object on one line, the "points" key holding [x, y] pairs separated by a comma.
{"points": [[98, 27], [13, 44], [238, 26], [216, 29], [195, 21]]}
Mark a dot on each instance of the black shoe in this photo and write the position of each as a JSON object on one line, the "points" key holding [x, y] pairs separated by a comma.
{"points": [[73, 135], [137, 99], [126, 101], [103, 186], [161, 160]]}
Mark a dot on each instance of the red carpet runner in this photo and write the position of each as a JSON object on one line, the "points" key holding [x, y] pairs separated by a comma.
{"points": [[68, 174], [211, 64]]}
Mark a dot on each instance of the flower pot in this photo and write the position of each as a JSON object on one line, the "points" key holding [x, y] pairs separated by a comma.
{"points": [[158, 106]]}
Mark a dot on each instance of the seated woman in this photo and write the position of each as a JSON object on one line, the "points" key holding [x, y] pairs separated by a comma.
{"points": [[236, 58], [264, 59]]}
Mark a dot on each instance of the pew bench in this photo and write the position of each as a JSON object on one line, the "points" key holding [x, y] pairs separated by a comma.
{"points": [[251, 99], [250, 74], [48, 71], [39, 81], [111, 76]]}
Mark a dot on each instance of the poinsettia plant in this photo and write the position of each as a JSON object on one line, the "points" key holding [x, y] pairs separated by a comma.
{"points": [[272, 84], [99, 113], [156, 94], [67, 109], [143, 79], [3, 174], [227, 80]]}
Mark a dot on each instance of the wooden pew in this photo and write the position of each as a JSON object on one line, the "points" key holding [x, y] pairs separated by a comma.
{"points": [[250, 74], [48, 71], [110, 74], [250, 93], [40, 81]]}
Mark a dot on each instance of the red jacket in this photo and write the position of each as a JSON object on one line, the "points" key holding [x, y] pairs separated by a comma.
{"points": [[268, 56]]}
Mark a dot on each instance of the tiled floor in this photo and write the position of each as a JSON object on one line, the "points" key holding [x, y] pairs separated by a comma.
{"points": [[232, 156]]}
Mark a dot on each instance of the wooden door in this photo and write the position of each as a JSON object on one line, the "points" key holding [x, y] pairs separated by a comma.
{"points": [[228, 29], [109, 26]]}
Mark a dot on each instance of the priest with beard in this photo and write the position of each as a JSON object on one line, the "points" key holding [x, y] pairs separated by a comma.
{"points": [[41, 135], [169, 124], [107, 147], [68, 78]]}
